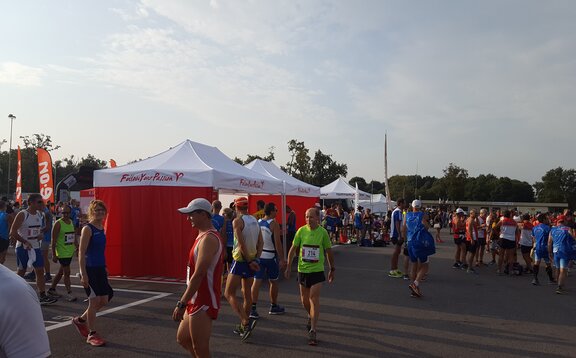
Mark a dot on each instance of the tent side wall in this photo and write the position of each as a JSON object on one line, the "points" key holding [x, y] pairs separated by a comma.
{"points": [[297, 203], [146, 235]]}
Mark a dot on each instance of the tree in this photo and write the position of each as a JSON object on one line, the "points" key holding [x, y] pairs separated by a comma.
{"points": [[299, 165], [557, 186], [252, 157], [454, 181], [362, 185], [324, 170], [39, 141]]}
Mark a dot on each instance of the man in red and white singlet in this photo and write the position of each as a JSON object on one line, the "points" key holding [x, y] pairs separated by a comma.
{"points": [[200, 303], [509, 234]]}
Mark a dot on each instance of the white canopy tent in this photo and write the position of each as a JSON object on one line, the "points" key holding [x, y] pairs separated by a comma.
{"points": [[189, 164], [339, 189], [293, 186], [378, 203], [142, 199]]}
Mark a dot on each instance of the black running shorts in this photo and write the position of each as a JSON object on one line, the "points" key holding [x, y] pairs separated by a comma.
{"points": [[310, 279], [471, 246], [507, 244], [525, 249], [98, 282]]}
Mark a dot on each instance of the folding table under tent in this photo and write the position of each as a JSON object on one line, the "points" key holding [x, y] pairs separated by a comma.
{"points": [[299, 195], [339, 189], [146, 235]]}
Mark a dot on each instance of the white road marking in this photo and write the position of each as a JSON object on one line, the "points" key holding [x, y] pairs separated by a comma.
{"points": [[155, 296]]}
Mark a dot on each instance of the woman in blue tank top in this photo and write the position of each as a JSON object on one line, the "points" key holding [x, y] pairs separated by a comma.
{"points": [[94, 278]]}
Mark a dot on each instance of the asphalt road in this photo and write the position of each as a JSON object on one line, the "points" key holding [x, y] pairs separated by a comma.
{"points": [[364, 313]]}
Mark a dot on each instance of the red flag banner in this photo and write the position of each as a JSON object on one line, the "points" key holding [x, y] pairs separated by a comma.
{"points": [[113, 163], [19, 178], [45, 175]]}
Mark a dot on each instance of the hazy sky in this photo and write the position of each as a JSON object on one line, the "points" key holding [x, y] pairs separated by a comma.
{"points": [[487, 85]]}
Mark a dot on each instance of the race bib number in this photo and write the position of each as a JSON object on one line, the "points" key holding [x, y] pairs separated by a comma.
{"points": [[310, 253], [69, 238], [33, 232]]}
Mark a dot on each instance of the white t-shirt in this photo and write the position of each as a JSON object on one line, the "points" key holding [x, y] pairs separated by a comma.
{"points": [[22, 331]]}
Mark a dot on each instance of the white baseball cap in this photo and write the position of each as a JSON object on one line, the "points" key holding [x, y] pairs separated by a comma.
{"points": [[459, 211], [197, 204], [416, 204]]}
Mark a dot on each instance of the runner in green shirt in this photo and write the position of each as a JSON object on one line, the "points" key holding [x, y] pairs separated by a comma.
{"points": [[64, 245], [313, 243]]}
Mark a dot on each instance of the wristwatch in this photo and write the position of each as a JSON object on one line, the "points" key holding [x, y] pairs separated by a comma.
{"points": [[181, 304]]}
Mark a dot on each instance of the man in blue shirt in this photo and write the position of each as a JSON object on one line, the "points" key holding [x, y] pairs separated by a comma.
{"points": [[541, 234], [561, 244], [414, 222]]}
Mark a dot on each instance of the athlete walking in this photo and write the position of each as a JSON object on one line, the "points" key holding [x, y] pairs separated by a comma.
{"points": [[27, 229], [271, 261], [64, 245], [94, 278], [199, 305], [246, 253], [313, 243]]}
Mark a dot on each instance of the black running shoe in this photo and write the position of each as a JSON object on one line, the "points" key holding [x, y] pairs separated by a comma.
{"points": [[312, 338], [46, 300], [247, 332]]}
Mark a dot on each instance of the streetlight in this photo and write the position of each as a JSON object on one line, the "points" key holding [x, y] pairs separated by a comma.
{"points": [[12, 117]]}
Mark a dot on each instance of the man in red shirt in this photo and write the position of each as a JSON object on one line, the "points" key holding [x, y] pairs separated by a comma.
{"points": [[199, 304]]}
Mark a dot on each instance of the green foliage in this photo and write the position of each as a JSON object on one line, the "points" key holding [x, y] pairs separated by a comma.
{"points": [[324, 170], [299, 165], [362, 185], [252, 157], [39, 141], [557, 185], [319, 171], [454, 182]]}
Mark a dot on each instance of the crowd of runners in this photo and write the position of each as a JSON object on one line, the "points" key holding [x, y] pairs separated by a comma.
{"points": [[237, 250], [503, 236], [40, 233]]}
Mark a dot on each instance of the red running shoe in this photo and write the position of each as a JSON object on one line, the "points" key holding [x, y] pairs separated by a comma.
{"points": [[80, 327], [95, 340]]}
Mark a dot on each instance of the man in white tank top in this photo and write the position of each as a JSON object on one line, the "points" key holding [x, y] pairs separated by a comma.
{"points": [[271, 261], [27, 229], [246, 254]]}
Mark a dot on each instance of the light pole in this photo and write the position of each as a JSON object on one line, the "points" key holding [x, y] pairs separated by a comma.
{"points": [[12, 117]]}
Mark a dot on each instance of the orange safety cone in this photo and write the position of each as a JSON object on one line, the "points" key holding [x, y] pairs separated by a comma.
{"points": [[343, 237]]}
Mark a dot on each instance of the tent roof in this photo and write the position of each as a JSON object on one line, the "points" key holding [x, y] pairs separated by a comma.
{"points": [[339, 189], [189, 164], [293, 186], [378, 204]]}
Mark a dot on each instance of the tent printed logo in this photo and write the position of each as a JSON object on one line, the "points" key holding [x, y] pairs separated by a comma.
{"points": [[303, 190], [145, 177], [252, 183]]}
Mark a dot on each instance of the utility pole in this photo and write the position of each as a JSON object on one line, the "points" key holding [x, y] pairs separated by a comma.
{"points": [[8, 192]]}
